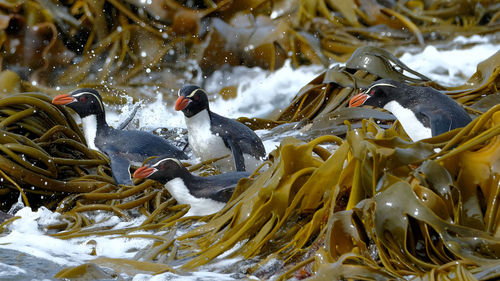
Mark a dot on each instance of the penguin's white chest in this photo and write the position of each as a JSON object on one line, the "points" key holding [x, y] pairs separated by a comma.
{"points": [[199, 206], [205, 144], [412, 126], [89, 125]]}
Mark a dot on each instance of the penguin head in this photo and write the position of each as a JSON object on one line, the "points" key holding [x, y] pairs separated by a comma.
{"points": [[192, 99], [162, 170], [85, 102], [377, 94]]}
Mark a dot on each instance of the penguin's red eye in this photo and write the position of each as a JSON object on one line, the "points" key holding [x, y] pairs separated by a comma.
{"points": [[196, 97], [372, 92], [83, 99]]}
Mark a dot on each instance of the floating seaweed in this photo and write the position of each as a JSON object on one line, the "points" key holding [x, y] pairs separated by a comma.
{"points": [[116, 42], [317, 212], [320, 213]]}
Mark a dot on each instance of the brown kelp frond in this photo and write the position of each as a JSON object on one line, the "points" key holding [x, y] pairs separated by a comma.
{"points": [[116, 41], [323, 101], [378, 207], [42, 150]]}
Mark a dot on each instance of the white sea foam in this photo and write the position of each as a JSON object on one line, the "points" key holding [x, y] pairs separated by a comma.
{"points": [[259, 93], [195, 276], [451, 67], [9, 271], [29, 234]]}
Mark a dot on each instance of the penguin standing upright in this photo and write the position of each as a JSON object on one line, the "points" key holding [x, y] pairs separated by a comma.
{"points": [[206, 195], [211, 135], [123, 147], [422, 111]]}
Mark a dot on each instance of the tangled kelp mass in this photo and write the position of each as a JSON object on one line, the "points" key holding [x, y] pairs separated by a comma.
{"points": [[312, 212], [377, 207], [115, 41]]}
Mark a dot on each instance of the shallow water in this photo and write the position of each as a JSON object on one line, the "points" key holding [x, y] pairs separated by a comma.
{"points": [[21, 266]]}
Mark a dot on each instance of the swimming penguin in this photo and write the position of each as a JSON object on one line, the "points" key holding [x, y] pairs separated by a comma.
{"points": [[422, 111], [206, 195], [211, 135], [123, 147]]}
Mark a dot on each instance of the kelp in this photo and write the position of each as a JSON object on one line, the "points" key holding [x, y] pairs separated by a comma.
{"points": [[320, 213], [119, 43], [376, 207], [43, 152], [322, 103]]}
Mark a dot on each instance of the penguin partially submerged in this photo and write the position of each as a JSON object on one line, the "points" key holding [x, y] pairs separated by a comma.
{"points": [[206, 195], [422, 111], [123, 147], [212, 136]]}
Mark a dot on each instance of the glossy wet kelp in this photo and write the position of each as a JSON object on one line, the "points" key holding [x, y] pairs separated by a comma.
{"points": [[322, 103], [375, 207], [42, 150], [120, 42], [354, 199]]}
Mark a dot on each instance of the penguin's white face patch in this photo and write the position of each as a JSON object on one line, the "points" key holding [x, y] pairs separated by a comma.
{"points": [[412, 126], [199, 206]]}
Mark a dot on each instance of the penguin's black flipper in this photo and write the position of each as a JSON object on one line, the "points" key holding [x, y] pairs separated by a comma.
{"points": [[129, 118], [120, 168], [225, 194], [439, 123], [239, 160]]}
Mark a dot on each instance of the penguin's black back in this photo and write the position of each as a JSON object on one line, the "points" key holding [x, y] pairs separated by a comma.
{"points": [[136, 145], [246, 139], [219, 187], [434, 109]]}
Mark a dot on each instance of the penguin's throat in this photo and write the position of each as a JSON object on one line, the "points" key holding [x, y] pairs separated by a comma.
{"points": [[411, 124], [204, 143], [89, 124], [200, 120]]}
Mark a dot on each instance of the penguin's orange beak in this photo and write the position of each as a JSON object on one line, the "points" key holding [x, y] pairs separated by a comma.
{"points": [[358, 99], [143, 172], [181, 103], [63, 99]]}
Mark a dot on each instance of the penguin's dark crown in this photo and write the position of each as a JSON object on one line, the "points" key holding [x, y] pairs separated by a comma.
{"points": [[377, 88], [167, 163], [192, 99], [377, 94], [84, 101], [164, 170]]}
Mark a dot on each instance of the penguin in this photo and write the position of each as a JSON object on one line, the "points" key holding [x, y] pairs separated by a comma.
{"points": [[206, 195], [4, 216], [211, 135], [123, 147], [422, 111]]}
